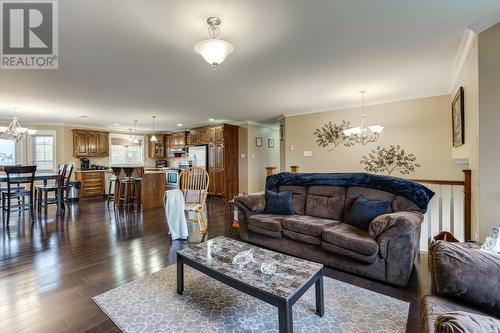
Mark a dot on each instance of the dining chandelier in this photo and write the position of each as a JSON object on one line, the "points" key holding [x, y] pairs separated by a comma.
{"points": [[14, 131], [364, 134], [214, 50]]}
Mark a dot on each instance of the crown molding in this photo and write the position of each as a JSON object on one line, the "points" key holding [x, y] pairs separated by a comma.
{"points": [[254, 123], [464, 49], [486, 22], [353, 105]]}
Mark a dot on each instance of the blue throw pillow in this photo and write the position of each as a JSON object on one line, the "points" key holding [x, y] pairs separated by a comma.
{"points": [[278, 203], [363, 211]]}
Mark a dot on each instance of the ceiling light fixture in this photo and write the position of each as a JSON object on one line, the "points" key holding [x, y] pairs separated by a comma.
{"points": [[14, 131], [211, 119], [364, 134], [214, 50], [153, 137], [179, 125], [135, 140]]}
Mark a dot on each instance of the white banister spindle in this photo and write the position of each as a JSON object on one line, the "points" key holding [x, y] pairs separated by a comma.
{"points": [[452, 211], [440, 209]]}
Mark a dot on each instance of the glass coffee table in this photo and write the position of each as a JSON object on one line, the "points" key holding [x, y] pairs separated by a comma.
{"points": [[292, 278]]}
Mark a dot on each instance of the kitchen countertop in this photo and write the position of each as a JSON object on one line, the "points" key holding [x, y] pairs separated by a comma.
{"points": [[90, 170]]}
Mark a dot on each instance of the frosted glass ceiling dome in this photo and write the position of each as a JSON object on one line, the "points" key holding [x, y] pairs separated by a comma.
{"points": [[214, 50]]}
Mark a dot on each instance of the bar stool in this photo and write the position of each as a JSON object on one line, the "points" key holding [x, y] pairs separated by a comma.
{"points": [[138, 190], [127, 192], [112, 186]]}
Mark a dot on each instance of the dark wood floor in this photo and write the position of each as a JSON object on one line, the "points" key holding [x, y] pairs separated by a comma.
{"points": [[50, 270]]}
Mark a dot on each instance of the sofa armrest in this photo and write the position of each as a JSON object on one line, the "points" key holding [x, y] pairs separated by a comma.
{"points": [[398, 238], [467, 275], [253, 204], [395, 223]]}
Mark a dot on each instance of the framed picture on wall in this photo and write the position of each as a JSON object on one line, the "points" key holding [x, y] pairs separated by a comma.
{"points": [[458, 118], [270, 143], [258, 142]]}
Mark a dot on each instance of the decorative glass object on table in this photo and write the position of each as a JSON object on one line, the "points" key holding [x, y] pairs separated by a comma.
{"points": [[268, 268], [243, 258]]}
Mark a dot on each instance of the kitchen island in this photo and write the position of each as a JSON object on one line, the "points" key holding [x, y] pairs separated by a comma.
{"points": [[153, 184]]}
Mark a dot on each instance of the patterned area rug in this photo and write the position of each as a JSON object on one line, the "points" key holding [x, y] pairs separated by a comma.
{"points": [[151, 304]]}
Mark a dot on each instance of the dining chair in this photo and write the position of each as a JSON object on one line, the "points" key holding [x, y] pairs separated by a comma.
{"points": [[20, 184], [42, 191], [194, 186], [67, 182]]}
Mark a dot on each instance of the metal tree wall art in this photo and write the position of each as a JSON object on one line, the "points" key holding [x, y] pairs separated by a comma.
{"points": [[332, 135], [389, 160]]}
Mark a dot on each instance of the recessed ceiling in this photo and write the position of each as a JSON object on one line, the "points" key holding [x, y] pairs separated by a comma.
{"points": [[125, 60]]}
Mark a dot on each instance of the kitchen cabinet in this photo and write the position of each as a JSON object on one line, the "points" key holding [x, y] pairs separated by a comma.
{"points": [[203, 135], [90, 143], [168, 146], [192, 138], [156, 149], [92, 182], [222, 159], [178, 140]]}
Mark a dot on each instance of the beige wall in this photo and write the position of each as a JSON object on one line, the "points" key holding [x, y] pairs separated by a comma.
{"points": [[468, 79], [252, 166], [421, 126], [489, 124]]}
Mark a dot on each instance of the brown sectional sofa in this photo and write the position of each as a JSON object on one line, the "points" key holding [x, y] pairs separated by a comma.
{"points": [[316, 230]]}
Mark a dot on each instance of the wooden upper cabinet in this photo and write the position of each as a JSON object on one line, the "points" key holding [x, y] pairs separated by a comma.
{"points": [[219, 156], [80, 144], [219, 134], [193, 138], [156, 149], [203, 135], [167, 140], [90, 143]]}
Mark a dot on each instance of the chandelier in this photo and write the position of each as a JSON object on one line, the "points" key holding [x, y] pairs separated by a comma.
{"points": [[364, 134], [153, 137], [214, 50], [14, 131]]}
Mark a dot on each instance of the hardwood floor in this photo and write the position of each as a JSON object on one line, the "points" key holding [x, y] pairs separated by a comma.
{"points": [[50, 270]]}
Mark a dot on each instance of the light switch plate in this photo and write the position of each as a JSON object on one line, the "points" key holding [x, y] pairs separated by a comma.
{"points": [[308, 153], [243, 155], [290, 148]]}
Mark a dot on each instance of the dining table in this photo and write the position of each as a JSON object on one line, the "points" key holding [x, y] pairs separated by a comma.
{"points": [[44, 177]]}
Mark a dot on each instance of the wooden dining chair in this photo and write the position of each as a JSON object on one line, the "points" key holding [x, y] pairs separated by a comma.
{"points": [[20, 184], [42, 191], [193, 182]]}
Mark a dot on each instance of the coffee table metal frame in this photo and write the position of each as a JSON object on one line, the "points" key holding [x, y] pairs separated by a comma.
{"points": [[284, 304]]}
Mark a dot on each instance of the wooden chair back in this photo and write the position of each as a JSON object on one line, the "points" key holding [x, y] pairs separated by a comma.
{"points": [[197, 179], [20, 175], [69, 172]]}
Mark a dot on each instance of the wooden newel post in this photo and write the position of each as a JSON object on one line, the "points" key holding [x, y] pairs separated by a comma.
{"points": [[270, 170], [467, 204], [294, 168]]}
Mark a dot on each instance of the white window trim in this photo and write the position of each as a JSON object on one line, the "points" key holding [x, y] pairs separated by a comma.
{"points": [[126, 136], [29, 143]]}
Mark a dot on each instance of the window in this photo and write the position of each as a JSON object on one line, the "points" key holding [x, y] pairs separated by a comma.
{"points": [[124, 151], [43, 152], [7, 152]]}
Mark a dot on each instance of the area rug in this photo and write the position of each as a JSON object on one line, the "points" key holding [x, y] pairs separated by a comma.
{"points": [[151, 304]]}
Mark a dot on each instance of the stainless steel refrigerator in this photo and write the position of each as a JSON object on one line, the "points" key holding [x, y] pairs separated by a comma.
{"points": [[198, 155]]}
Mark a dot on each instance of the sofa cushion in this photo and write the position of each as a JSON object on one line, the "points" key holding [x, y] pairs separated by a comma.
{"points": [[298, 197], [402, 204], [307, 225], [351, 238], [308, 239], [353, 192], [325, 201], [266, 221], [265, 232], [348, 253], [278, 203], [363, 211]]}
